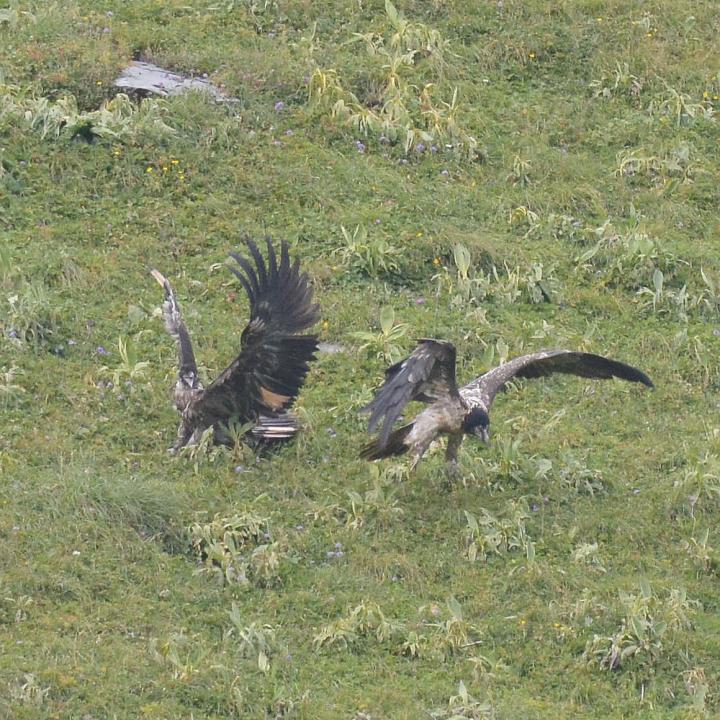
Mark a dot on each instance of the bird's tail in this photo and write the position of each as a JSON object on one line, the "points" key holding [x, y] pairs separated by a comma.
{"points": [[280, 427], [395, 445]]}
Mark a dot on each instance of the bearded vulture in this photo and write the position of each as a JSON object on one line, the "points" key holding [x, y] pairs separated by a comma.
{"points": [[265, 378], [428, 375]]}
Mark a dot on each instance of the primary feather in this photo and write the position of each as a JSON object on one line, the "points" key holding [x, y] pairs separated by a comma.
{"points": [[265, 377], [428, 375], [483, 389]]}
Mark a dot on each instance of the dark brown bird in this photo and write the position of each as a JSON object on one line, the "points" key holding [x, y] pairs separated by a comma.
{"points": [[428, 375], [265, 378]]}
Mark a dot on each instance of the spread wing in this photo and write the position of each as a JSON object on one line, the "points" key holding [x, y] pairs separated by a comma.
{"points": [[427, 374], [482, 390], [267, 375], [175, 325]]}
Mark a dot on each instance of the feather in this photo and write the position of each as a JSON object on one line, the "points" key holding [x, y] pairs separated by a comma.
{"points": [[394, 445], [175, 325], [483, 389], [428, 373], [280, 427], [274, 359]]}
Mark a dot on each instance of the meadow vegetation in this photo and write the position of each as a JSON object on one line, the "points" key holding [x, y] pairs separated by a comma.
{"points": [[507, 175]]}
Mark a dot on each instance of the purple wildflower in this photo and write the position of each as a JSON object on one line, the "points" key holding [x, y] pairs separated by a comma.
{"points": [[420, 148], [72, 342], [433, 149], [279, 105], [289, 133], [109, 13], [445, 173], [101, 350], [377, 221], [420, 301], [360, 146], [106, 29]]}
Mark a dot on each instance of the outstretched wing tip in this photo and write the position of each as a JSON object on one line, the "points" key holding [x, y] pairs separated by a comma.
{"points": [[546, 362], [270, 370], [159, 277]]}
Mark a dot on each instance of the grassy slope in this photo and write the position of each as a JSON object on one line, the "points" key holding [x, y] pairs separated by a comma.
{"points": [[104, 611]]}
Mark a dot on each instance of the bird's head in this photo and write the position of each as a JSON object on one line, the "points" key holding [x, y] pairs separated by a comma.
{"points": [[477, 422]]}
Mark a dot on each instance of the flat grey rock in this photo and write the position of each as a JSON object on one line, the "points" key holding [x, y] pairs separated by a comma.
{"points": [[149, 78]]}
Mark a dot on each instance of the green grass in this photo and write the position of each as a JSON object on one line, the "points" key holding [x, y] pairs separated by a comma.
{"points": [[596, 150]]}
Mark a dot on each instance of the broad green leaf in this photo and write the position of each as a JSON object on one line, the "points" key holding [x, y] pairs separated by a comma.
{"points": [[645, 589], [638, 626], [387, 319], [454, 608], [392, 13], [658, 280]]}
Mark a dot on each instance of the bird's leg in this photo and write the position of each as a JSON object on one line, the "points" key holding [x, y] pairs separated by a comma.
{"points": [[184, 437], [417, 450], [454, 443]]}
